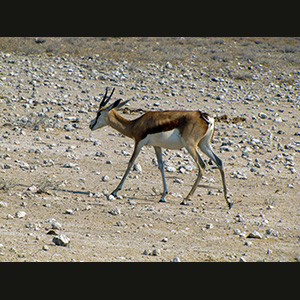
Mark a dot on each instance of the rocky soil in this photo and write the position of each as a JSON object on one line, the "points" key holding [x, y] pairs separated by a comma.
{"points": [[56, 176]]}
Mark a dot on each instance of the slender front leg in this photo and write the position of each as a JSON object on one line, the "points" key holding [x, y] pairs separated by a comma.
{"points": [[161, 168], [135, 154]]}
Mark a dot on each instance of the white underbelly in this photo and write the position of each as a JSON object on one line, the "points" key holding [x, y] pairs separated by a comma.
{"points": [[167, 139]]}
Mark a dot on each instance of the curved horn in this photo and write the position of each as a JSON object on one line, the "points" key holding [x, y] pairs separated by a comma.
{"points": [[102, 103], [105, 100]]}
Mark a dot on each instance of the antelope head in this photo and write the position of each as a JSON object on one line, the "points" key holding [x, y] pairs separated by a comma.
{"points": [[103, 110]]}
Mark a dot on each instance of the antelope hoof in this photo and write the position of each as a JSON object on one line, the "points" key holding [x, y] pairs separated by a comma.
{"points": [[230, 204], [114, 193], [162, 199], [184, 202]]}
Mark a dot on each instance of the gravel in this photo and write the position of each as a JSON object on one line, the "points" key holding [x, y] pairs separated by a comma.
{"points": [[50, 161]]}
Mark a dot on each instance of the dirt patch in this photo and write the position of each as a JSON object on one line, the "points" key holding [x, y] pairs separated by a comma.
{"points": [[54, 170]]}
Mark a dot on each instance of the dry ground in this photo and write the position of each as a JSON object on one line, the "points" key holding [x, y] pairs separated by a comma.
{"points": [[53, 167]]}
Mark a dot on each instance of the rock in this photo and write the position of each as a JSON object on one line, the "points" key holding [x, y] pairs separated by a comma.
{"points": [[272, 232], [115, 211], [226, 148], [61, 240], [254, 235], [69, 211], [69, 165], [169, 65], [69, 127], [137, 167], [32, 189], [111, 197], [56, 225], [209, 226], [156, 252], [263, 115], [120, 223], [147, 252], [105, 178], [175, 259], [20, 214], [3, 204], [45, 247], [170, 169]]}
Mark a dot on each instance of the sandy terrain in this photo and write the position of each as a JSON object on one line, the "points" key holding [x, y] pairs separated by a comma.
{"points": [[56, 175]]}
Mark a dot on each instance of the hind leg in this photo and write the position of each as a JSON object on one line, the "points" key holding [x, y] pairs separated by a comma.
{"points": [[201, 166], [161, 168]]}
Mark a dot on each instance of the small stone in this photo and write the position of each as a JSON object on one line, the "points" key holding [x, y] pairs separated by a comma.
{"points": [[272, 232], [56, 225], [32, 189], [69, 211], [156, 252], [46, 247], [115, 211], [137, 167], [20, 214], [105, 178], [111, 197], [61, 240], [147, 252], [254, 235], [120, 223], [263, 115], [175, 259], [68, 127], [164, 240], [69, 165], [3, 204], [236, 231], [242, 259], [226, 148], [52, 232], [209, 226], [170, 169]]}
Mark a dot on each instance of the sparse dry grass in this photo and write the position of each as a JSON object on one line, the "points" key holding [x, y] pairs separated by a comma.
{"points": [[216, 50]]}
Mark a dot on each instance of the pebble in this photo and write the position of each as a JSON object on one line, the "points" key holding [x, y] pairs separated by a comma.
{"points": [[137, 167], [147, 252], [105, 178], [254, 235], [176, 259], [170, 169], [156, 252], [111, 197], [272, 232], [61, 240], [56, 225], [69, 165], [20, 214], [209, 226], [116, 211]]}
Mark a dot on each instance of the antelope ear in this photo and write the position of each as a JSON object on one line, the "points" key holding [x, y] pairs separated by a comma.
{"points": [[117, 104], [122, 103]]}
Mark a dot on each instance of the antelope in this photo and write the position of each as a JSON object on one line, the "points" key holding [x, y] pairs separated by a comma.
{"points": [[172, 129]]}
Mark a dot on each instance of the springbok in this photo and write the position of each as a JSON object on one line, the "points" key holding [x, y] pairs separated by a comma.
{"points": [[172, 129]]}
